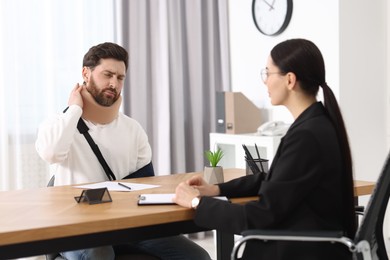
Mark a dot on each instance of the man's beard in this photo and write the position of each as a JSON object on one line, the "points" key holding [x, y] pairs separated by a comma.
{"points": [[99, 96]]}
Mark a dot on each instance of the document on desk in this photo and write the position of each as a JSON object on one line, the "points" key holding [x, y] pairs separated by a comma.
{"points": [[115, 186], [162, 198], [156, 199]]}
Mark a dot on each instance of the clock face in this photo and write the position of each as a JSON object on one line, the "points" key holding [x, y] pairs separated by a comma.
{"points": [[272, 16]]}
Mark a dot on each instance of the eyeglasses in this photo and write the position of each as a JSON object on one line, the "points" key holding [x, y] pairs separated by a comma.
{"points": [[265, 74]]}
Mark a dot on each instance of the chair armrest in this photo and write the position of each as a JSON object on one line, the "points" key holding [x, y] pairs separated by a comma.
{"points": [[359, 210], [311, 233], [288, 235]]}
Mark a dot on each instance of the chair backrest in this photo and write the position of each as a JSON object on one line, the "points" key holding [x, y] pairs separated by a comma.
{"points": [[371, 228], [51, 181]]}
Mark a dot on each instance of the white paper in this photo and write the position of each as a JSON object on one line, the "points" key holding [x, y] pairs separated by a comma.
{"points": [[156, 198], [114, 186]]}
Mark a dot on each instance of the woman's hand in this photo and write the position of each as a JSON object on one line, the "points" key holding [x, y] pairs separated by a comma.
{"points": [[185, 194], [204, 188], [194, 187]]}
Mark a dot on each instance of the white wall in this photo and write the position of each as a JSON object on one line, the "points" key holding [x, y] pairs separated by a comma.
{"points": [[314, 20], [354, 39], [364, 83], [363, 96]]}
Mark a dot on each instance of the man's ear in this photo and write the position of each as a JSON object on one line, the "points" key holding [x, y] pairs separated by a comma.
{"points": [[86, 73]]}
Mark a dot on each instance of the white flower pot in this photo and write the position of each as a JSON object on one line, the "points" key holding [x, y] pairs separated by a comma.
{"points": [[213, 175]]}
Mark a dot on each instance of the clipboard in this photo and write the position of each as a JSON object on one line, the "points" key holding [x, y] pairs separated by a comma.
{"points": [[156, 199], [163, 199]]}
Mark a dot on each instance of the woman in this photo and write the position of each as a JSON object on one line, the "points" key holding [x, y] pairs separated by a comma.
{"points": [[310, 184]]}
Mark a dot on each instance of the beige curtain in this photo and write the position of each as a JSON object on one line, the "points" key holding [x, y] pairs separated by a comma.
{"points": [[179, 58]]}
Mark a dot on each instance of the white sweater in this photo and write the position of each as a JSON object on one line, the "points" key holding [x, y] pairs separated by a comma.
{"points": [[123, 144]]}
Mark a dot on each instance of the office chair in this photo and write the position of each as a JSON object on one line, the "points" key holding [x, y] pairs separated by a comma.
{"points": [[368, 242]]}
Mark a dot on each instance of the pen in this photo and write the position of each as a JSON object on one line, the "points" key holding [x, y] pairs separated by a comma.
{"points": [[252, 166], [248, 154], [250, 158], [123, 185], [258, 155]]}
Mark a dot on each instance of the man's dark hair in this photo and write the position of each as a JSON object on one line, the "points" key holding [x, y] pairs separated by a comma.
{"points": [[105, 50]]}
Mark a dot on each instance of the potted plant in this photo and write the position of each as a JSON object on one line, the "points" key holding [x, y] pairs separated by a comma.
{"points": [[213, 174]]}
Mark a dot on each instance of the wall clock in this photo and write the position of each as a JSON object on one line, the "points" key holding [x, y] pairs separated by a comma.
{"points": [[272, 17]]}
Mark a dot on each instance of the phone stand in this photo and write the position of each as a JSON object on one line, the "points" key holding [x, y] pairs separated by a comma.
{"points": [[94, 196]]}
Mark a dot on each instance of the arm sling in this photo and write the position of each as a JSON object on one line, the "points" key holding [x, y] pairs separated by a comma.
{"points": [[145, 171]]}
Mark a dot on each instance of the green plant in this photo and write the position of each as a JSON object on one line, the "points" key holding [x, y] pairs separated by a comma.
{"points": [[214, 157]]}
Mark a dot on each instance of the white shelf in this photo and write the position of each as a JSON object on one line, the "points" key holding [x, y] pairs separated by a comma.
{"points": [[234, 155]]}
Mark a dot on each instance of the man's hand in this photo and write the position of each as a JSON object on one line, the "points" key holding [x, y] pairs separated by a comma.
{"points": [[75, 96]]}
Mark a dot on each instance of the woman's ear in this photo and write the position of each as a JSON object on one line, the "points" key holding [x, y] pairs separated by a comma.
{"points": [[291, 80]]}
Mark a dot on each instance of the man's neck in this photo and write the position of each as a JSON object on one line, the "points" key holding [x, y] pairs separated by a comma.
{"points": [[96, 113]]}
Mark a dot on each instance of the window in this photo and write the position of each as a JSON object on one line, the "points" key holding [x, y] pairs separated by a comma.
{"points": [[41, 51]]}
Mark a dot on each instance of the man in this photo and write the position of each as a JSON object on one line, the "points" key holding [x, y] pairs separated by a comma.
{"points": [[121, 140]]}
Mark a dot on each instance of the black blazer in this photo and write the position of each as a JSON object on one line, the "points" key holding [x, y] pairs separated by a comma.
{"points": [[303, 192]]}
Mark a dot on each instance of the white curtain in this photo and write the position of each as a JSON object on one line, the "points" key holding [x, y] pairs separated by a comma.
{"points": [[179, 58], [41, 50]]}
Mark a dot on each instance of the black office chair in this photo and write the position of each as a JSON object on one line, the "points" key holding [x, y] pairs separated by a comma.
{"points": [[368, 242]]}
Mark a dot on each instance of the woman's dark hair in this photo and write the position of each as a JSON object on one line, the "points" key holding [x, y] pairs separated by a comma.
{"points": [[304, 59], [105, 51]]}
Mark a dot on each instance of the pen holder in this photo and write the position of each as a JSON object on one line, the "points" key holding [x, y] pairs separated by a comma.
{"points": [[263, 162]]}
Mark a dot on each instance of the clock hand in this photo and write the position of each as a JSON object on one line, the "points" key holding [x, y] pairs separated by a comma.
{"points": [[271, 7]]}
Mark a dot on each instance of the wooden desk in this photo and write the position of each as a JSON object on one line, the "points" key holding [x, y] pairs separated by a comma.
{"points": [[45, 220], [363, 188]]}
